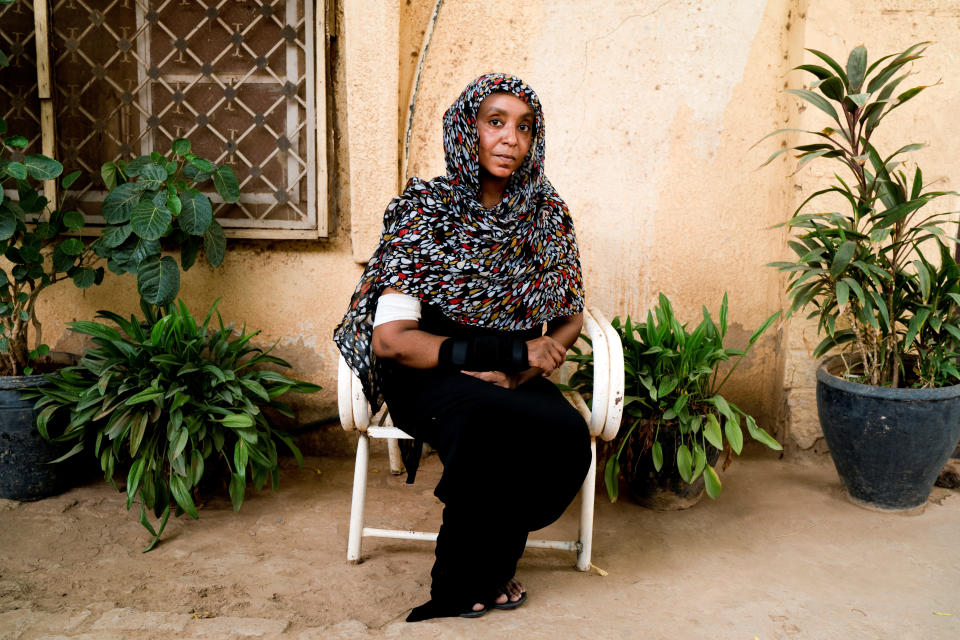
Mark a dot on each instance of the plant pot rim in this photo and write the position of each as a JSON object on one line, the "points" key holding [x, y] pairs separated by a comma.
{"points": [[8, 383], [871, 391]]}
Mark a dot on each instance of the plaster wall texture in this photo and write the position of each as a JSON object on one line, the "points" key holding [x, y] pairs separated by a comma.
{"points": [[651, 107]]}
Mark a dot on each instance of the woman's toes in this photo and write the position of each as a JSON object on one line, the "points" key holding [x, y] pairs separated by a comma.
{"points": [[478, 606], [515, 590], [502, 598]]}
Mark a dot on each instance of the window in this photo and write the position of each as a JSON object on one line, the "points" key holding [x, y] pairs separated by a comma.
{"points": [[240, 78]]}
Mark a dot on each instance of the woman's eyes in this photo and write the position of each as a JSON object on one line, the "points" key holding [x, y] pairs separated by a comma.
{"points": [[497, 122]]}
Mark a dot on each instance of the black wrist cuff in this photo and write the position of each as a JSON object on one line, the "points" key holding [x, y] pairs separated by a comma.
{"points": [[484, 353]]}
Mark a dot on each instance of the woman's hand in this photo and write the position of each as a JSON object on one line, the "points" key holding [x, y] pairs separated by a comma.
{"points": [[498, 378], [545, 353]]}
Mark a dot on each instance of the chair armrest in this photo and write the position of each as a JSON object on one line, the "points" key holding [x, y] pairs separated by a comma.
{"points": [[608, 383], [608, 379], [351, 403], [601, 372], [615, 397]]}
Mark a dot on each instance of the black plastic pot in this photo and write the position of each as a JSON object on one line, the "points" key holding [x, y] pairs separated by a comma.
{"points": [[24, 455], [888, 445]]}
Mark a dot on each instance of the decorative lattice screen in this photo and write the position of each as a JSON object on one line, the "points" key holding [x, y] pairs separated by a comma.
{"points": [[19, 104], [237, 77]]}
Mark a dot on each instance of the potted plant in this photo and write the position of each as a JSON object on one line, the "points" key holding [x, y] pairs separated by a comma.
{"points": [[883, 285], [38, 242], [677, 421], [165, 402]]}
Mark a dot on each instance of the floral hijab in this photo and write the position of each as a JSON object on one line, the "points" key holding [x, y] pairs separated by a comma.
{"points": [[511, 267]]}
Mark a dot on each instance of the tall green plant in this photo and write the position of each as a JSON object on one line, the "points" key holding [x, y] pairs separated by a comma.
{"points": [[164, 401], [157, 198], [673, 381], [880, 302], [38, 241], [41, 246]]}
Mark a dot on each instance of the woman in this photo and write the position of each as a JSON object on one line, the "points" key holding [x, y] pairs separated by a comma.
{"points": [[446, 325]]}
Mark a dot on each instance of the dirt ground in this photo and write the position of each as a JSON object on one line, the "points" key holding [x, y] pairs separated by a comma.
{"points": [[781, 554]]}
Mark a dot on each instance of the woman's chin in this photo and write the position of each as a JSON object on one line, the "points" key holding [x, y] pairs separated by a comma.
{"points": [[499, 173]]}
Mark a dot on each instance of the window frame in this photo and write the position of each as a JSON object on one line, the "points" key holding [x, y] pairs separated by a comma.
{"points": [[314, 17]]}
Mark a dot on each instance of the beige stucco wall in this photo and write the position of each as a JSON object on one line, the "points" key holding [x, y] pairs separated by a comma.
{"points": [[651, 110], [648, 107]]}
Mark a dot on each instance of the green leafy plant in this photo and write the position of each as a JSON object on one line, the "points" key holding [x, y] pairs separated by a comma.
{"points": [[673, 382], [45, 244], [42, 245], [889, 310], [164, 402], [155, 199]]}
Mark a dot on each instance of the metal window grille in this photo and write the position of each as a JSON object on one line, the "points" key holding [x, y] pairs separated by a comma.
{"points": [[238, 77], [19, 104]]}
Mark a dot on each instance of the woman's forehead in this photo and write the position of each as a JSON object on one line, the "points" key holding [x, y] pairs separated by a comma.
{"points": [[506, 103]]}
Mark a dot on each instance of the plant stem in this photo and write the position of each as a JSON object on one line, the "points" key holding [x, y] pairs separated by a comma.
{"points": [[854, 323]]}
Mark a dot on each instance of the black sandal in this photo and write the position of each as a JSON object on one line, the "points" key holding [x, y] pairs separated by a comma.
{"points": [[434, 609], [510, 604]]}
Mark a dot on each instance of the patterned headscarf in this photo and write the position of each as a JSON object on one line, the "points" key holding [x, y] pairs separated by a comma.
{"points": [[511, 267]]}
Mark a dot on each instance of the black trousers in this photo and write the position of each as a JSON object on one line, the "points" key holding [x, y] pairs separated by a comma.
{"points": [[513, 460]]}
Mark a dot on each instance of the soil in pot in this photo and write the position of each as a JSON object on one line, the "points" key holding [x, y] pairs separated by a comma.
{"points": [[662, 490]]}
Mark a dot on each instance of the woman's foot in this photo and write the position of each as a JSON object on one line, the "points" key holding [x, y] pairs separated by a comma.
{"points": [[512, 595], [439, 609]]}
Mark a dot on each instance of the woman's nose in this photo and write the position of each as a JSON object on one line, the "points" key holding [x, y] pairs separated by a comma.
{"points": [[509, 136]]}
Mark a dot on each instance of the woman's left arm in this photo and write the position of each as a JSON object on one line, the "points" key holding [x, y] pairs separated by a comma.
{"points": [[566, 329], [562, 331]]}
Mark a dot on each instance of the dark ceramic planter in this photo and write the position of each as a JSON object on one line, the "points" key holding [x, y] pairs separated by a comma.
{"points": [[24, 455], [888, 445], [664, 490]]}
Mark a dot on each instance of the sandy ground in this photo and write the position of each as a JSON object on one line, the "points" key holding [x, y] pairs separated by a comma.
{"points": [[781, 554]]}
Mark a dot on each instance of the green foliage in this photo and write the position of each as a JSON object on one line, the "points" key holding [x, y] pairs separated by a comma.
{"points": [[38, 244], [157, 198], [164, 402], [671, 382], [889, 310]]}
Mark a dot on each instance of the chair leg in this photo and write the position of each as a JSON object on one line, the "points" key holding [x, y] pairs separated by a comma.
{"points": [[586, 511], [359, 498], [393, 448]]}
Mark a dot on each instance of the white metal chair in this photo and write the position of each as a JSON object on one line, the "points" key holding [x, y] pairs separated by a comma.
{"points": [[604, 421]]}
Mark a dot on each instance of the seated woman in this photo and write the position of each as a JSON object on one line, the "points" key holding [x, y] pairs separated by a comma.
{"points": [[447, 325]]}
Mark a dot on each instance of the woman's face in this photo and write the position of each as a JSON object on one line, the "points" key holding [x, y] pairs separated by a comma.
{"points": [[504, 130]]}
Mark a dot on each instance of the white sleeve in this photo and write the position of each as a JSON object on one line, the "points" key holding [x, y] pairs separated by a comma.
{"points": [[396, 306]]}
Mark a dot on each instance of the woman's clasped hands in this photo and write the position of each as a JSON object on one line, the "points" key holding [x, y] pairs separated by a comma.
{"points": [[544, 355]]}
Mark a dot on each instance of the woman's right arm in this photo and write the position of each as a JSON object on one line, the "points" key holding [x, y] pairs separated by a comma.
{"points": [[404, 342]]}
